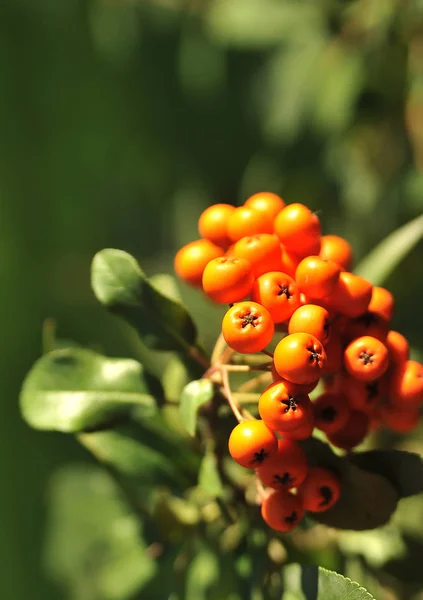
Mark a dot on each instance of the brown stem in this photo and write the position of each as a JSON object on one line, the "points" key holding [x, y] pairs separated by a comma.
{"points": [[251, 384], [228, 394]]}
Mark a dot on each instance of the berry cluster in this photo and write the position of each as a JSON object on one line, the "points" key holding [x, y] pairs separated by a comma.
{"points": [[337, 332]]}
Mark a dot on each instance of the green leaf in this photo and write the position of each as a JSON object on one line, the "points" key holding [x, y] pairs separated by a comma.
{"points": [[120, 284], [202, 574], [403, 469], [74, 389], [303, 582], [195, 394], [94, 545], [368, 500], [382, 261], [208, 476], [166, 285]]}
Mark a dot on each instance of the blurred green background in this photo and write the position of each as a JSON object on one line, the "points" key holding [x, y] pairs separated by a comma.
{"points": [[121, 120]]}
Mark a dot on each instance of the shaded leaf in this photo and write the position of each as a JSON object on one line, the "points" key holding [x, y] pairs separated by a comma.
{"points": [[303, 582], [367, 500], [377, 546], [403, 469], [208, 476], [175, 377], [166, 285], [194, 395], [74, 389], [382, 261], [202, 574], [120, 284], [94, 545]]}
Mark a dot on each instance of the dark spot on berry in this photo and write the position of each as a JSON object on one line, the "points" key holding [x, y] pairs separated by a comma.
{"points": [[259, 457], [314, 355], [290, 404], [326, 494], [284, 290], [328, 414], [366, 358], [292, 518], [326, 326], [367, 319], [372, 390], [249, 320], [285, 479]]}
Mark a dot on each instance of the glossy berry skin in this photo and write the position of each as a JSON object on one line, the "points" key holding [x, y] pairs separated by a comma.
{"points": [[366, 358], [247, 327], [290, 261], [277, 292], [282, 411], [353, 433], [266, 202], [364, 395], [312, 319], [293, 389], [262, 250], [398, 348], [191, 260], [317, 278], [227, 280], [282, 511], [212, 224], [351, 296], [320, 491], [301, 433], [298, 229], [286, 469], [300, 358], [382, 303], [251, 444], [407, 384], [334, 349], [331, 412], [336, 249], [400, 419], [245, 221]]}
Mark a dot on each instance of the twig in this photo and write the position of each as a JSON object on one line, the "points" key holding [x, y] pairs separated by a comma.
{"points": [[228, 394], [218, 349], [251, 384]]}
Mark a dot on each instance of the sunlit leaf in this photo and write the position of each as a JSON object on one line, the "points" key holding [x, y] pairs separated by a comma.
{"points": [[316, 583], [208, 477], [194, 395], [74, 389], [202, 575]]}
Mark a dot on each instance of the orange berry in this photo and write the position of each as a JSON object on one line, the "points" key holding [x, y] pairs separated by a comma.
{"points": [[398, 348], [366, 358], [336, 249], [313, 319], [245, 221], [281, 411], [351, 295], [278, 293], [353, 433], [282, 511], [290, 261], [300, 358], [320, 490], [303, 432], [262, 250], [334, 353], [267, 202], [286, 469], [367, 324], [399, 418], [382, 303], [247, 327], [251, 444], [213, 222], [191, 260], [317, 278], [331, 412], [407, 384], [293, 388], [227, 280], [298, 229], [364, 395]]}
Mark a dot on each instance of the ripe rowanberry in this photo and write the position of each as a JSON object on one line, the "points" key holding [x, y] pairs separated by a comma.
{"points": [[247, 327], [316, 277], [364, 395], [320, 491], [266, 202], [331, 412], [300, 358], [286, 469], [398, 348], [262, 250], [367, 324], [245, 221], [191, 260], [298, 229], [351, 296], [290, 261], [278, 292], [251, 444], [407, 384], [334, 349], [301, 433], [312, 319], [336, 249], [213, 223], [293, 388], [281, 411], [366, 358], [353, 432], [282, 511], [382, 303], [227, 280], [399, 418]]}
